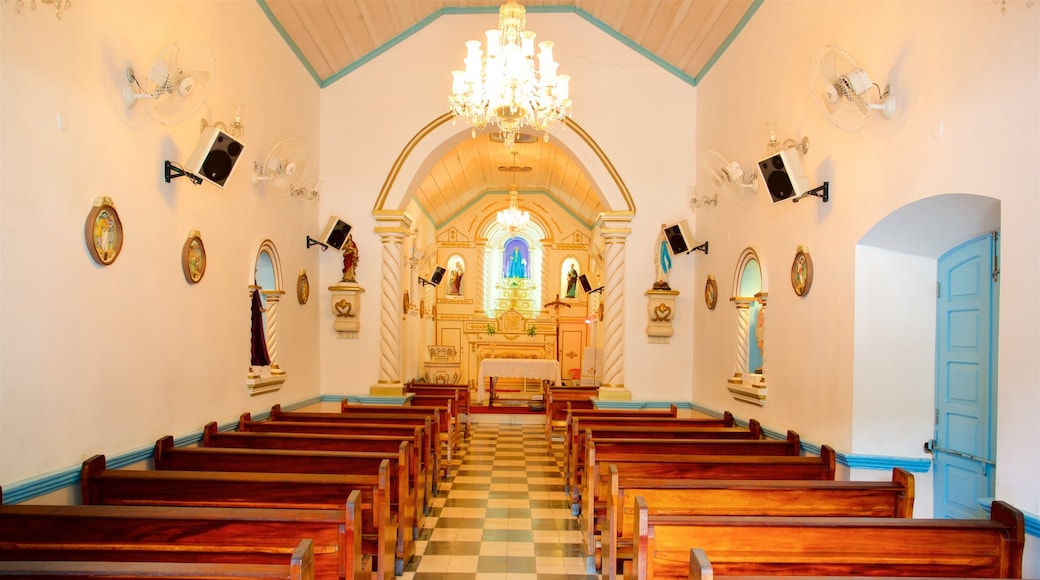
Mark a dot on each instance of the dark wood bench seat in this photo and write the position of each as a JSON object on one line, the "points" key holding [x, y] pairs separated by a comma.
{"points": [[102, 486], [299, 566], [883, 499], [462, 392], [829, 546], [575, 452], [213, 437], [442, 410], [719, 467], [169, 534], [402, 494], [373, 424]]}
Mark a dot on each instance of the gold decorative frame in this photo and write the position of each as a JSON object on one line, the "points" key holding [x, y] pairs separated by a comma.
{"points": [[711, 292], [193, 258], [303, 287], [802, 271], [103, 231]]}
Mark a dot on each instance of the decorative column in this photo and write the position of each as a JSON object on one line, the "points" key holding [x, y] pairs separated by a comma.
{"points": [[271, 332], [614, 230], [547, 292], [393, 227], [760, 336], [740, 384], [480, 282]]}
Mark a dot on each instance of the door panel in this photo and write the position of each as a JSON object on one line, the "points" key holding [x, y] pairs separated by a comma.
{"points": [[965, 379]]}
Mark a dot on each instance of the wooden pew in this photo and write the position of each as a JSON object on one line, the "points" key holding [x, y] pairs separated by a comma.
{"points": [[719, 467], [101, 486], [883, 499], [441, 408], [453, 432], [830, 546], [200, 534], [213, 437], [402, 498], [463, 393], [574, 459], [558, 403], [300, 566], [370, 424]]}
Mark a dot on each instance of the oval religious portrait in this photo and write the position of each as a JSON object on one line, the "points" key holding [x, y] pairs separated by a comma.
{"points": [[193, 258], [103, 232], [711, 292], [801, 272], [303, 288]]}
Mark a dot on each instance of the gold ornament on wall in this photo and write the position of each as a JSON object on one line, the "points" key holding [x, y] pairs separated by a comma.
{"points": [[103, 231]]}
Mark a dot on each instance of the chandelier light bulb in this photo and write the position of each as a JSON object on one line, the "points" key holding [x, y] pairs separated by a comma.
{"points": [[501, 86]]}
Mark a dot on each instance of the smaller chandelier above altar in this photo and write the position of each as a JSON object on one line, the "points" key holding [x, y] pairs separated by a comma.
{"points": [[513, 218], [502, 87]]}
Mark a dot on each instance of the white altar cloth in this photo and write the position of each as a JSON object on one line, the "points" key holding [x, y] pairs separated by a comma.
{"points": [[520, 368]]}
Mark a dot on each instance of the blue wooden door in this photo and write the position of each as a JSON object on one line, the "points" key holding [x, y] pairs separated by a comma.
{"points": [[965, 378]]}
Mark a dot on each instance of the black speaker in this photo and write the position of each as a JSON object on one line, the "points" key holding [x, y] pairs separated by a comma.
{"points": [[438, 275], [215, 156], [680, 240], [784, 176], [335, 233], [584, 280]]}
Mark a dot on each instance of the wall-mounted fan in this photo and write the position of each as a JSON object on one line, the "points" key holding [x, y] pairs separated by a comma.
{"points": [[728, 175], [286, 165], [176, 83], [843, 92]]}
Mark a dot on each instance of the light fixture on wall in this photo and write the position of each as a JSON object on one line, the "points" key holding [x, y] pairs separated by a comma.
{"points": [[705, 200], [60, 6], [1003, 5], [502, 87]]}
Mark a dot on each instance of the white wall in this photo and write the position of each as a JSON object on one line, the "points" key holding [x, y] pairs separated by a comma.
{"points": [[107, 359], [961, 64], [370, 115]]}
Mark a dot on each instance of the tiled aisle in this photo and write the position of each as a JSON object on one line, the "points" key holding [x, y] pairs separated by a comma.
{"points": [[503, 513]]}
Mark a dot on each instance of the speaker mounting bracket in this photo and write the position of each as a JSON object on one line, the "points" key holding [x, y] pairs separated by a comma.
{"points": [[312, 242], [823, 192], [703, 248], [426, 282], [171, 172], [594, 290]]}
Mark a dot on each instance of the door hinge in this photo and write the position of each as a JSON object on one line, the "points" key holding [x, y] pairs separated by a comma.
{"points": [[996, 258], [938, 294]]}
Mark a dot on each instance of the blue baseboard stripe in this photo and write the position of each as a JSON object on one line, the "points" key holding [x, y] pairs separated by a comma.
{"points": [[27, 489]]}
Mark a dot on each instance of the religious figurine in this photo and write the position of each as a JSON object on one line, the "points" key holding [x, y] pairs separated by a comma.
{"points": [[517, 265], [572, 282], [662, 261], [455, 280], [350, 259]]}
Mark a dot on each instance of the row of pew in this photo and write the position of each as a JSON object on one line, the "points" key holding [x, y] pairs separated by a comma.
{"points": [[336, 495], [661, 496]]}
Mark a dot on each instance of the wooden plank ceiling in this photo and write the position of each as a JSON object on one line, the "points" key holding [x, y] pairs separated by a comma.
{"points": [[332, 35]]}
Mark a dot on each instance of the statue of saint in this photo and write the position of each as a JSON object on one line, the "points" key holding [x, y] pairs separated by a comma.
{"points": [[572, 282], [350, 259], [455, 280], [662, 261], [517, 265]]}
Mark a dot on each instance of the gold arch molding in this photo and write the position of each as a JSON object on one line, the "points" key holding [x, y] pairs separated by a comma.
{"points": [[423, 133]]}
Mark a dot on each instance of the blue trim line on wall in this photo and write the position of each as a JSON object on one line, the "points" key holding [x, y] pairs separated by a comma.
{"points": [[55, 481]]}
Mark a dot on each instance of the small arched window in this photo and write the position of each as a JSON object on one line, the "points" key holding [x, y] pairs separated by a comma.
{"points": [[265, 375], [749, 299]]}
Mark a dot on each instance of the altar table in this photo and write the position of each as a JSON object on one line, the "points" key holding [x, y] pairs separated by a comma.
{"points": [[520, 368]]}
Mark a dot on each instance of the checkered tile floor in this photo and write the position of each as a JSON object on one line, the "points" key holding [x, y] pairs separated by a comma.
{"points": [[502, 514]]}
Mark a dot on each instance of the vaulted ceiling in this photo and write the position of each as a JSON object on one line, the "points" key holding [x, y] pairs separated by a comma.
{"points": [[334, 36]]}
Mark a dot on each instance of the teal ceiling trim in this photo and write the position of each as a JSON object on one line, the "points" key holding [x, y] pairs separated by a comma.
{"points": [[285, 36], [729, 40], [397, 39], [477, 199]]}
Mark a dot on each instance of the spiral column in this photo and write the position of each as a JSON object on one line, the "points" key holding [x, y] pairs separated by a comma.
{"points": [[743, 328], [478, 277], [271, 332], [393, 227], [614, 231]]}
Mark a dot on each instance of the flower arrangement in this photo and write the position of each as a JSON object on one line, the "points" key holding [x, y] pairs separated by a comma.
{"points": [[491, 329], [531, 331]]}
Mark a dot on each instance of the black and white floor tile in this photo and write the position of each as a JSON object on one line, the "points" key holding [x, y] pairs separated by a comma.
{"points": [[502, 514]]}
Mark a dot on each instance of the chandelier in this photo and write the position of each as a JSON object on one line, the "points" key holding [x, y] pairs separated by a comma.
{"points": [[502, 87], [513, 218]]}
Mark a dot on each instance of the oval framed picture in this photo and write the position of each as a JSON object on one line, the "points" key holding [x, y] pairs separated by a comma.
{"points": [[193, 258], [802, 271], [711, 292], [303, 287], [103, 231]]}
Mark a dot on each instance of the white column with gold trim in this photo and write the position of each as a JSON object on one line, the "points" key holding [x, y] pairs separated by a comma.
{"points": [[614, 230], [393, 227]]}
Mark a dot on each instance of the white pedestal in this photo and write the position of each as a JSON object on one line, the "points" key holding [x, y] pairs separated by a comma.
{"points": [[346, 306]]}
